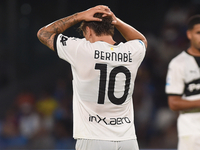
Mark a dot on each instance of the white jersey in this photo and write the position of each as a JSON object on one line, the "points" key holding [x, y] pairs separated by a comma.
{"points": [[183, 78], [103, 83]]}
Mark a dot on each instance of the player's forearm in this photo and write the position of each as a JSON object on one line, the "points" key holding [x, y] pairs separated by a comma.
{"points": [[128, 32], [47, 33], [176, 103]]}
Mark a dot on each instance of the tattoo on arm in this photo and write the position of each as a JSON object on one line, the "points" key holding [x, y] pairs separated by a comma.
{"points": [[46, 38], [46, 34], [63, 24]]}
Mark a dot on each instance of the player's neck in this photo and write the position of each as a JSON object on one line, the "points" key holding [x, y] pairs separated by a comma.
{"points": [[105, 38], [193, 51]]}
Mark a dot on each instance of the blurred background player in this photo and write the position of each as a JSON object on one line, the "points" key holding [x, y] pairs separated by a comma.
{"points": [[183, 88], [103, 76]]}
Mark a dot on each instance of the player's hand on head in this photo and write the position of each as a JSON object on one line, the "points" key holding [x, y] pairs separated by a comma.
{"points": [[89, 14], [110, 13], [114, 18]]}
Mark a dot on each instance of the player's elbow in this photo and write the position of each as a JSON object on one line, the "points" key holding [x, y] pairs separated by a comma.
{"points": [[46, 37], [173, 108], [172, 105], [43, 36], [40, 34]]}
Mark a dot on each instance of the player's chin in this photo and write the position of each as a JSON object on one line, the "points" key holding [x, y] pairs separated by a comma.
{"points": [[198, 47]]}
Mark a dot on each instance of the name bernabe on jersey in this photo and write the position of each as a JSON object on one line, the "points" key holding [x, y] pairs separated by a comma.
{"points": [[112, 56], [110, 121]]}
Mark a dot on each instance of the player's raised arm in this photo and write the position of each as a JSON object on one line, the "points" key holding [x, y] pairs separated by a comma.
{"points": [[46, 34], [127, 31]]}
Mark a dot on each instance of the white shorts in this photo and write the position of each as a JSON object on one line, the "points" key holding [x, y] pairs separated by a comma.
{"points": [[86, 144], [190, 142]]}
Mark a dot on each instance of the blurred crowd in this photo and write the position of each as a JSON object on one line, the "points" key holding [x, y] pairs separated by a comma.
{"points": [[41, 116], [39, 121]]}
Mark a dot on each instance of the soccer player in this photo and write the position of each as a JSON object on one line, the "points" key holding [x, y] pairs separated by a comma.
{"points": [[103, 76], [183, 89]]}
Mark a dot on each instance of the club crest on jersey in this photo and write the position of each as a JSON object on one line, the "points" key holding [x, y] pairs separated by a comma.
{"points": [[63, 40]]}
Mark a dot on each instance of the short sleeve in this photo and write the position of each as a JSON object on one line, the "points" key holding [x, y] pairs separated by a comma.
{"points": [[138, 49], [66, 47], [174, 80]]}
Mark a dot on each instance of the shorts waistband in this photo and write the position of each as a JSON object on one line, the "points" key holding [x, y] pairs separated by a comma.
{"points": [[195, 110]]}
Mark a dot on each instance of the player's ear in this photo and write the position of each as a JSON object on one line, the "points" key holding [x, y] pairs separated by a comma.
{"points": [[83, 32], [188, 34], [87, 29]]}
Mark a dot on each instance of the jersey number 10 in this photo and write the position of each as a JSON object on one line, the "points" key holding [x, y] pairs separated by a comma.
{"points": [[111, 84]]}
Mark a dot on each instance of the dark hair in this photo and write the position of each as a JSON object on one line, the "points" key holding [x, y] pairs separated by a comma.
{"points": [[193, 21], [104, 27]]}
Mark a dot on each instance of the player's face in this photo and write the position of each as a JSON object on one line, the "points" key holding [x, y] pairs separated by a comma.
{"points": [[194, 36]]}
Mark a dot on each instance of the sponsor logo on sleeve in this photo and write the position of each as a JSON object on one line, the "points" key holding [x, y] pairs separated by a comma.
{"points": [[141, 42], [192, 88], [168, 82], [63, 40]]}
